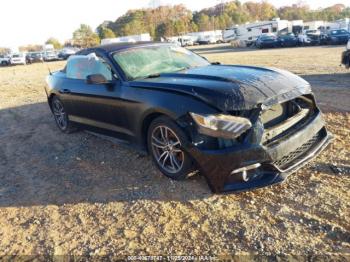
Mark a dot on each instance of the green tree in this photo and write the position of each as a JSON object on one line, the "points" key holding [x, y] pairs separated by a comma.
{"points": [[260, 11], [30, 48], [159, 21], [203, 22], [84, 37], [105, 32], [53, 41], [166, 21]]}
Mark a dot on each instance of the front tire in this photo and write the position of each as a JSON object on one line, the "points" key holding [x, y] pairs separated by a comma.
{"points": [[61, 117], [165, 140]]}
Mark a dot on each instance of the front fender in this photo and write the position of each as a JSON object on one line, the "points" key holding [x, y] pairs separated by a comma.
{"points": [[153, 103]]}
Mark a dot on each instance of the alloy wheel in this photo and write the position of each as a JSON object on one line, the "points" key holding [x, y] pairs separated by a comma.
{"points": [[166, 147], [59, 114]]}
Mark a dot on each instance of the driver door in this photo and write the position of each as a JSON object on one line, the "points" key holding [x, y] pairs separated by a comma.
{"points": [[94, 105]]}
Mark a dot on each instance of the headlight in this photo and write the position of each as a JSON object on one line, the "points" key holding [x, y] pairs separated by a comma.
{"points": [[224, 126]]}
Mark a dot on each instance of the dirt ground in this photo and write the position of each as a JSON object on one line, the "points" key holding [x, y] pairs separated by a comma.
{"points": [[81, 195]]}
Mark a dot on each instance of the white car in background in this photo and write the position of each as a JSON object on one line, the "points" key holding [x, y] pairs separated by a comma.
{"points": [[4, 60], [18, 59], [65, 53], [310, 37], [207, 39], [186, 41], [50, 55]]}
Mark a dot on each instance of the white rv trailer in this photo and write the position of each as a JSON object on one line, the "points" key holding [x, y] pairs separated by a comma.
{"points": [[249, 32], [182, 40], [174, 39], [186, 40], [343, 24], [296, 27], [127, 39], [322, 26], [48, 47], [207, 37]]}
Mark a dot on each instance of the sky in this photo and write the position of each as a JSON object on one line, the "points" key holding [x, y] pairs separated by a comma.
{"points": [[33, 22]]}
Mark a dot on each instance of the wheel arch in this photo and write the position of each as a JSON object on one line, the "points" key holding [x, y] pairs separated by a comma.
{"points": [[49, 100], [147, 120]]}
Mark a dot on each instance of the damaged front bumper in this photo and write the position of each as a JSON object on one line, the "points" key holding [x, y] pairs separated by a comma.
{"points": [[248, 166]]}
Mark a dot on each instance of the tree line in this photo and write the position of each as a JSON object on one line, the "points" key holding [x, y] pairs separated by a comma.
{"points": [[166, 21]]}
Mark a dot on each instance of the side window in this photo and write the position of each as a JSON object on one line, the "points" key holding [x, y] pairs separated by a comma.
{"points": [[80, 66], [103, 68]]}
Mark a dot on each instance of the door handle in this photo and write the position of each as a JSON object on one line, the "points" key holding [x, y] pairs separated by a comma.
{"points": [[64, 91]]}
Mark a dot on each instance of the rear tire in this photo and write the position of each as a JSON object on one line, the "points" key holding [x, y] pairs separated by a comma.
{"points": [[164, 141], [61, 117]]}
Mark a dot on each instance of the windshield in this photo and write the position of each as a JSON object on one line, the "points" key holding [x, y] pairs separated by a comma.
{"points": [[339, 32], [268, 37], [289, 35], [141, 62]]}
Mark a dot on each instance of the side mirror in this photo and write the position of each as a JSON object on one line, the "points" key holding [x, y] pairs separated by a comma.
{"points": [[96, 79]]}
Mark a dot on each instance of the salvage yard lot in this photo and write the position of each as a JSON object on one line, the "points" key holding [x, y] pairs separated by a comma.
{"points": [[79, 194]]}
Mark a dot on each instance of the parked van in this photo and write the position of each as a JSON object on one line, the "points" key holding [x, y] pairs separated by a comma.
{"points": [[18, 59], [207, 37]]}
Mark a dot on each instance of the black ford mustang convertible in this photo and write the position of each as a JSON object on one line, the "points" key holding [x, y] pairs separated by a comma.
{"points": [[242, 127]]}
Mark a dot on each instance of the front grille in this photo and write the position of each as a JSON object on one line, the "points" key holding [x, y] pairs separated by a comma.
{"points": [[277, 120], [298, 153], [274, 115]]}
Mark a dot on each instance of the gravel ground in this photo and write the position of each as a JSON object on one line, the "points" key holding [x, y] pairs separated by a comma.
{"points": [[81, 195]]}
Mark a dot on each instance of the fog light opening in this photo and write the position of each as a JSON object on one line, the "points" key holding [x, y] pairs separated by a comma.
{"points": [[243, 171], [244, 176]]}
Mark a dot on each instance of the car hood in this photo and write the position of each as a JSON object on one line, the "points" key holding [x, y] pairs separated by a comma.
{"points": [[269, 40], [231, 87], [340, 35]]}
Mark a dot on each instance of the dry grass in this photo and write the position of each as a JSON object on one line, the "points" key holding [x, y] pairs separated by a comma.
{"points": [[80, 195]]}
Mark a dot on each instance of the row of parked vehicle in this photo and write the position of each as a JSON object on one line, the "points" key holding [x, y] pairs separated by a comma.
{"points": [[23, 58], [309, 37]]}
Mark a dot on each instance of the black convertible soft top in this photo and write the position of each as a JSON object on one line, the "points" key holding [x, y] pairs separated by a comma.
{"points": [[109, 48]]}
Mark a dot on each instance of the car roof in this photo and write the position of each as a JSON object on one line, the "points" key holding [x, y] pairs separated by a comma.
{"points": [[110, 48], [267, 35]]}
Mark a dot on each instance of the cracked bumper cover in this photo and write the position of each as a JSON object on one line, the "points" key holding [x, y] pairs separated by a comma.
{"points": [[217, 165]]}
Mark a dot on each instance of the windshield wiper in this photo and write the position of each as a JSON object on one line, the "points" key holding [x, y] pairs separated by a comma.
{"points": [[184, 68], [153, 75]]}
